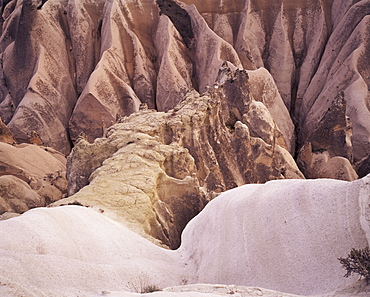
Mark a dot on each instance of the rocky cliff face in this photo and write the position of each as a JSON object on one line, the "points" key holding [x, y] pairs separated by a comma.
{"points": [[79, 66]]}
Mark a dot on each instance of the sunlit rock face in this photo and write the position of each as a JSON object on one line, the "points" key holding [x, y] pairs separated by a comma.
{"points": [[79, 66], [157, 170], [286, 236]]}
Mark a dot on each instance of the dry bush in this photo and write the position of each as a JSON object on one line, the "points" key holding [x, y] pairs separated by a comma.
{"points": [[357, 261]]}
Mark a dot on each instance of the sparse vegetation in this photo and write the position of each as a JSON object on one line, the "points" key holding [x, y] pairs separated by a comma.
{"points": [[357, 261], [143, 285], [150, 288]]}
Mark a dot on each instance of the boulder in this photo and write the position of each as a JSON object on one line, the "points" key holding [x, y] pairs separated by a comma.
{"points": [[327, 151], [319, 164], [17, 196]]}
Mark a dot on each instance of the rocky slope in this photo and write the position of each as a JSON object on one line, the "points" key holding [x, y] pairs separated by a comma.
{"points": [[79, 66], [30, 175]]}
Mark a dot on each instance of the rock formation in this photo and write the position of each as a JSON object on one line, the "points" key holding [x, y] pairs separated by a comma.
{"points": [[6, 135], [157, 170], [327, 151], [37, 86], [285, 235], [30, 176], [162, 105], [278, 224], [78, 66]]}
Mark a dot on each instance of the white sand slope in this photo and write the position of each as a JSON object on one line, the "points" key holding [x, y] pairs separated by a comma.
{"points": [[283, 235]]}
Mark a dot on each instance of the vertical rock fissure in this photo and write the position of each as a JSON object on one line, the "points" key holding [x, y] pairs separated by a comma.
{"points": [[179, 17]]}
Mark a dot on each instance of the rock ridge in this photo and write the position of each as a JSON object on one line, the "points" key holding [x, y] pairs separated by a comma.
{"points": [[111, 56], [170, 164]]}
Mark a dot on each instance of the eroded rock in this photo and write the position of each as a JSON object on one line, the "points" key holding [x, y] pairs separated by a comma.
{"points": [[250, 236], [327, 151], [79, 66], [156, 170], [150, 186], [31, 176], [17, 196], [37, 71], [5, 134]]}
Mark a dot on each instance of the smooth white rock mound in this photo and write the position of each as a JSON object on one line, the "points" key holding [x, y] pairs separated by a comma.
{"points": [[76, 251], [283, 235]]}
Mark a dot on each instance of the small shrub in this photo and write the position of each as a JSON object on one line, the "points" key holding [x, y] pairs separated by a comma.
{"points": [[357, 261], [150, 289], [143, 285]]}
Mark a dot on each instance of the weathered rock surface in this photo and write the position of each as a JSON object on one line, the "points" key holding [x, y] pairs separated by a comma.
{"points": [[161, 106], [146, 184], [288, 235], [17, 196], [37, 86], [157, 170], [359, 289], [30, 176], [78, 66], [285, 235], [6, 135], [328, 150], [89, 252]]}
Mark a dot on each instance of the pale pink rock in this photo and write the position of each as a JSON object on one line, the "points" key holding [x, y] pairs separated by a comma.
{"points": [[34, 176], [112, 56]]}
